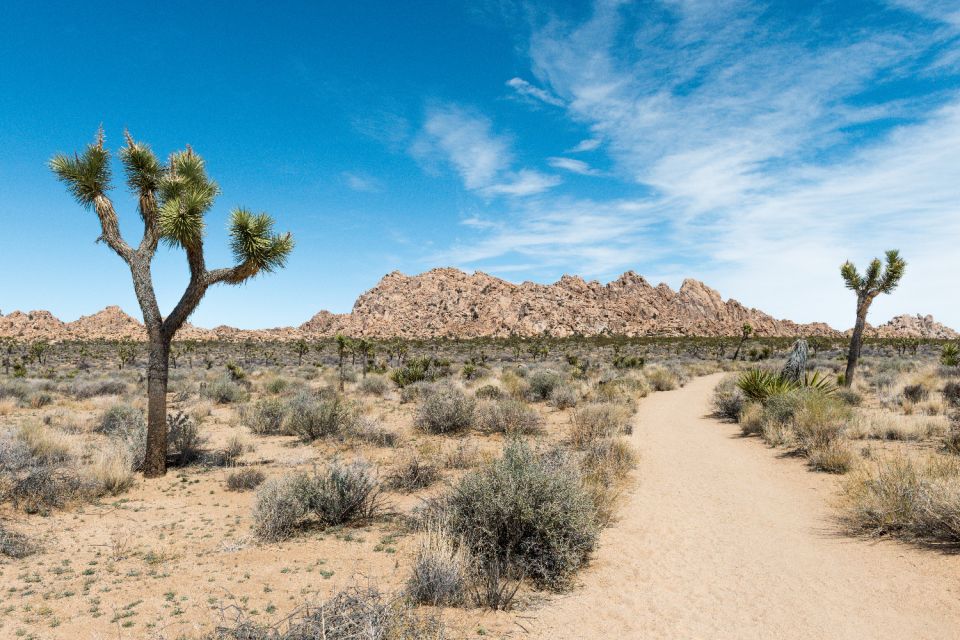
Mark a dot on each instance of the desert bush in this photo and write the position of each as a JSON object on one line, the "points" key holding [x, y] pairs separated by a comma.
{"points": [[508, 416], [277, 386], [564, 396], [414, 391], [310, 417], [905, 498], [833, 457], [661, 379], [374, 385], [597, 420], [412, 474], [423, 369], [445, 409], [339, 494], [515, 384], [951, 441], [246, 479], [608, 459], [488, 392], [728, 400], [184, 440], [819, 421], [752, 419], [45, 445], [463, 456], [225, 390], [849, 396], [369, 430], [530, 511], [16, 545], [472, 371], [916, 392], [111, 470], [83, 390], [281, 504], [441, 568], [951, 393], [41, 488], [357, 614], [266, 416], [542, 382]]}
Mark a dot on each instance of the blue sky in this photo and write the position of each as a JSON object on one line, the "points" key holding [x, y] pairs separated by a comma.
{"points": [[754, 146]]}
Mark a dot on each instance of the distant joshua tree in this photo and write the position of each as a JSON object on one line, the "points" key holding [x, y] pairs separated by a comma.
{"points": [[343, 347], [172, 200], [301, 348], [745, 332], [867, 287]]}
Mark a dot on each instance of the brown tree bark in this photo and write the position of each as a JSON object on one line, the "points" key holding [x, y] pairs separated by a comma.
{"points": [[155, 461], [856, 340]]}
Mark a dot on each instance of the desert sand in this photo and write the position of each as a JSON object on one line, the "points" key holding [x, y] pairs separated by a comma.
{"points": [[722, 539]]}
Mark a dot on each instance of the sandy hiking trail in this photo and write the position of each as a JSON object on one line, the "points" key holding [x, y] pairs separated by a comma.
{"points": [[722, 538]]}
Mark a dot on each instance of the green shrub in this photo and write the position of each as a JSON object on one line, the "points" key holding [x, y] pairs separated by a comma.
{"points": [[542, 382], [532, 512], [310, 417], [508, 416], [445, 409], [488, 392], [564, 396], [728, 400], [412, 474], [374, 385], [266, 416], [224, 390], [245, 479], [183, 438], [662, 379]]}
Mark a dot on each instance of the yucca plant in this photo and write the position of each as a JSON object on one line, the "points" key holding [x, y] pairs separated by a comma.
{"points": [[950, 355], [760, 385], [172, 199]]}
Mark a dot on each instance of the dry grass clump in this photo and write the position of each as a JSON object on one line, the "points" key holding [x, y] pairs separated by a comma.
{"points": [[752, 419], [356, 614], [374, 385], [907, 498], [85, 389], [412, 474], [246, 479], [340, 494], [126, 425], [111, 470], [441, 568], [564, 396], [445, 408], [728, 400], [597, 420], [369, 430], [508, 416], [662, 379], [833, 457]]}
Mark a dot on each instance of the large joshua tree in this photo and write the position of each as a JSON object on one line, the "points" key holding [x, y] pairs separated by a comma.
{"points": [[877, 279], [172, 199]]}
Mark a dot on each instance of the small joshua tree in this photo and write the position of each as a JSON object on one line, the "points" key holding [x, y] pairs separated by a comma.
{"points": [[745, 332], [172, 199], [343, 347], [796, 365], [301, 348], [878, 279]]}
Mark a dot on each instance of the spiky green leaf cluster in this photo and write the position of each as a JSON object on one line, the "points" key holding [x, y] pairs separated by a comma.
{"points": [[142, 168], [760, 385], [185, 194], [86, 176], [255, 245], [876, 279]]}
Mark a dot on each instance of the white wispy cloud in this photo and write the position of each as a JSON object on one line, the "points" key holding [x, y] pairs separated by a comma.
{"points": [[527, 90], [758, 166], [590, 144], [572, 165], [465, 139], [362, 182]]}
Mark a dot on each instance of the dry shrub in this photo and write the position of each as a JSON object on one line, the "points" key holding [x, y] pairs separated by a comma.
{"points": [[597, 420], [752, 419], [509, 416], [488, 392], [339, 494], [310, 417], [728, 400], [7, 406], [245, 479], [372, 432], [265, 417], [662, 379], [833, 457], [374, 385], [46, 445], [527, 514], [16, 545], [819, 421], [564, 396], [412, 475], [514, 384], [110, 470], [126, 425], [445, 409], [441, 568], [357, 614], [907, 498], [542, 382], [223, 390]]}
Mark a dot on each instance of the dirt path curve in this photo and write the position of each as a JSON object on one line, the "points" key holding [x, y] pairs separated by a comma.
{"points": [[721, 539]]}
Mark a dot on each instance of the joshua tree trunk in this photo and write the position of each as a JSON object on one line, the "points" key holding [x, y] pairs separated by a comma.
{"points": [[856, 340], [155, 463]]}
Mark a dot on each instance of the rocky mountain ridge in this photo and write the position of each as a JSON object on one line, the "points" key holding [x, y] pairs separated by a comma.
{"points": [[450, 303]]}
